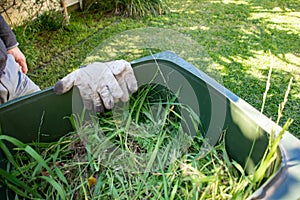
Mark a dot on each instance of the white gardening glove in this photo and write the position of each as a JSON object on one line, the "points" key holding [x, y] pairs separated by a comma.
{"points": [[100, 84]]}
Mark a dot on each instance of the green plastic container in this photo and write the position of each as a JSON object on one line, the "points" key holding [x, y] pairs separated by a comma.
{"points": [[42, 117]]}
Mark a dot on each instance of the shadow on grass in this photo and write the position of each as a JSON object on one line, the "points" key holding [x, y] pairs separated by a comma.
{"points": [[239, 43], [283, 4]]}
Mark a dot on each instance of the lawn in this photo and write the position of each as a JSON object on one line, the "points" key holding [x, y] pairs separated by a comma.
{"points": [[241, 40]]}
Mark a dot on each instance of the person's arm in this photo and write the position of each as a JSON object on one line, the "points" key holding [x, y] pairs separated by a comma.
{"points": [[6, 34], [19, 57], [9, 39]]}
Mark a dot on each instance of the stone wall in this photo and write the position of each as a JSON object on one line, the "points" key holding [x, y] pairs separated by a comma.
{"points": [[16, 11]]}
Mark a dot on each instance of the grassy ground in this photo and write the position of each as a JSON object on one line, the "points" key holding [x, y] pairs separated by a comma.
{"points": [[242, 38]]}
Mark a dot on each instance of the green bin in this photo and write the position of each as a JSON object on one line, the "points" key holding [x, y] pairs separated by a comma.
{"points": [[42, 116]]}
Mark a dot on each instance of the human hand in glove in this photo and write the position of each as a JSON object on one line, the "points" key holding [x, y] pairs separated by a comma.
{"points": [[100, 84]]}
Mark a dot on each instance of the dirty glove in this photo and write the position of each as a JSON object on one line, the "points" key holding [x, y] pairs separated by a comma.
{"points": [[100, 84]]}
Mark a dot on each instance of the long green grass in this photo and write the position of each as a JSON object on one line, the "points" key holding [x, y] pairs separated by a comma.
{"points": [[138, 150]]}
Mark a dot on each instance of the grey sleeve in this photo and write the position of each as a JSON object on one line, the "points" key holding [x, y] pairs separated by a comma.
{"points": [[6, 34]]}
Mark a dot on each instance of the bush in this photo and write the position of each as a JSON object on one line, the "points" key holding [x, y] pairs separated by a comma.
{"points": [[135, 8], [50, 20]]}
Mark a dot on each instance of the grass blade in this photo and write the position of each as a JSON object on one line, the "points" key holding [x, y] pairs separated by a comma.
{"points": [[15, 184], [57, 186]]}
